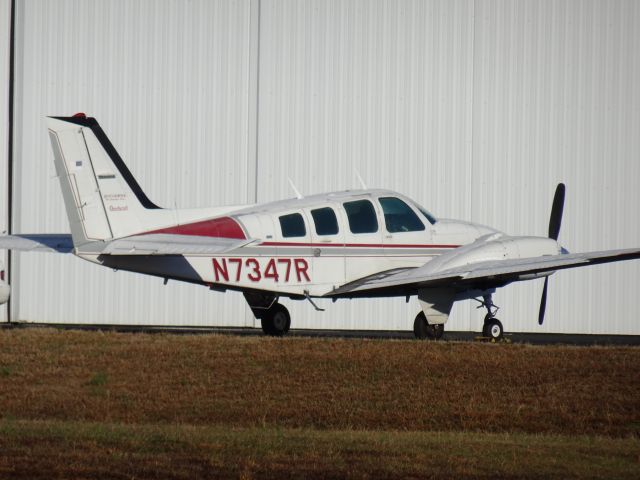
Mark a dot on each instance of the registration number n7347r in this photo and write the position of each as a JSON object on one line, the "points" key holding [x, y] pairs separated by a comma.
{"points": [[256, 269]]}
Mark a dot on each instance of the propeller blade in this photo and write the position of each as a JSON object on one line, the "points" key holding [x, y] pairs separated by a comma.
{"points": [[555, 221], [556, 212], [543, 301]]}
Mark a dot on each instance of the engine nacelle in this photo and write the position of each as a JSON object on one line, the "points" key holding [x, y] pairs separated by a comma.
{"points": [[495, 247]]}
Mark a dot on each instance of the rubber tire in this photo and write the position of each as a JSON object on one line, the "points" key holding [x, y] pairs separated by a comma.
{"points": [[277, 321], [265, 321], [493, 329], [423, 330]]}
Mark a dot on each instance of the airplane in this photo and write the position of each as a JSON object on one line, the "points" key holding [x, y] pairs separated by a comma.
{"points": [[338, 245]]}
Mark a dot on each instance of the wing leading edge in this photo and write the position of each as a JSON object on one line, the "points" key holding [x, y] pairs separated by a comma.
{"points": [[488, 274]]}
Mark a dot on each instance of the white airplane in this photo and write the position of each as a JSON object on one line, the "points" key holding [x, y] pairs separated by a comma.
{"points": [[364, 243]]}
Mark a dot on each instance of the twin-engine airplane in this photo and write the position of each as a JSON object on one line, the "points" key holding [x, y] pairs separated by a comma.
{"points": [[365, 243]]}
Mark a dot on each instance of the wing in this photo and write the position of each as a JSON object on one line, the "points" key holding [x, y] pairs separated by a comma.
{"points": [[38, 242], [170, 244], [489, 274]]}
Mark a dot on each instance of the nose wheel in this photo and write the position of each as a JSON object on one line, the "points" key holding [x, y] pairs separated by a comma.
{"points": [[492, 327]]}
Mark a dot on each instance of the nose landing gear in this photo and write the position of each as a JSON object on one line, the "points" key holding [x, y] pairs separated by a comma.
{"points": [[492, 327]]}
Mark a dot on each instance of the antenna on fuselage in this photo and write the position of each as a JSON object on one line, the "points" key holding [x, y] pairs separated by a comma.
{"points": [[298, 194], [362, 184]]}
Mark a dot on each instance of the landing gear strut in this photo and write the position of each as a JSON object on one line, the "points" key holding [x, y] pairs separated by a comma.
{"points": [[492, 327], [422, 329]]}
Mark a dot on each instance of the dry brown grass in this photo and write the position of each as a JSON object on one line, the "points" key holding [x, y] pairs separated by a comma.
{"points": [[318, 383]]}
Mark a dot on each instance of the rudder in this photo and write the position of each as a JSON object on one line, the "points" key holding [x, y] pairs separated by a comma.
{"points": [[102, 199]]}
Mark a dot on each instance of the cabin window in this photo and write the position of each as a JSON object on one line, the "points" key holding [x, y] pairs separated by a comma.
{"points": [[362, 216], [399, 217], [292, 225], [325, 221]]}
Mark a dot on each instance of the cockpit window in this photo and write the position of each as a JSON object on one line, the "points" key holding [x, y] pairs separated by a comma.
{"points": [[292, 225], [427, 215], [325, 221], [362, 216], [399, 217]]}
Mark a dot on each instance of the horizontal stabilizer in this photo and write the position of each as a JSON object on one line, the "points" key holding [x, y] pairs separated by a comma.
{"points": [[171, 244], [38, 242]]}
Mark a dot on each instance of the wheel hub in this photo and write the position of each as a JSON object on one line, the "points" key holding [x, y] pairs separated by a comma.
{"points": [[280, 321]]}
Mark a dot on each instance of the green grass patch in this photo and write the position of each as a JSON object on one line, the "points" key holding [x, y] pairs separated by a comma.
{"points": [[99, 379], [70, 449]]}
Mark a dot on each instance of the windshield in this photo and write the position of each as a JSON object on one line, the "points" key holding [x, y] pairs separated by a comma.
{"points": [[426, 214], [398, 216]]}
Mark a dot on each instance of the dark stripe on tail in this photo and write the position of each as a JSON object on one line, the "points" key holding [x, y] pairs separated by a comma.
{"points": [[93, 124]]}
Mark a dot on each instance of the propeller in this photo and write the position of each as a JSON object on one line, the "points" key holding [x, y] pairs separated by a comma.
{"points": [[555, 221]]}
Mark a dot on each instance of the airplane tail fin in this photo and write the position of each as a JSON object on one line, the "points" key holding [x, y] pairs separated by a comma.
{"points": [[102, 199]]}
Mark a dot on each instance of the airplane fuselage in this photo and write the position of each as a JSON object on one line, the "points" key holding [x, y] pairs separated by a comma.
{"points": [[311, 246]]}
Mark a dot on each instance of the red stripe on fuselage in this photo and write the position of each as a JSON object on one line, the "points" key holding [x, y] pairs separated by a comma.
{"points": [[225, 227]]}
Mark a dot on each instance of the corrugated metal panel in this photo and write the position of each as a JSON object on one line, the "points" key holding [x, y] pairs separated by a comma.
{"points": [[557, 98], [374, 86], [554, 98], [169, 85], [475, 109], [5, 30]]}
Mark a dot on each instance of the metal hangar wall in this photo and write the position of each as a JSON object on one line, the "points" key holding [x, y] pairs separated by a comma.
{"points": [[476, 109]]}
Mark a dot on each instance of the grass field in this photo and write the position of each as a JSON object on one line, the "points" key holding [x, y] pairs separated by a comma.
{"points": [[93, 404]]}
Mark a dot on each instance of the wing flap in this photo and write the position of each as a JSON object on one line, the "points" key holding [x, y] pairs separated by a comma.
{"points": [[489, 273], [38, 242], [172, 244]]}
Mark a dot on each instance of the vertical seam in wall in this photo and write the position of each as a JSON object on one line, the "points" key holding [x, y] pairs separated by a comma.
{"points": [[254, 99], [257, 121], [12, 37], [473, 130], [472, 108], [253, 105]]}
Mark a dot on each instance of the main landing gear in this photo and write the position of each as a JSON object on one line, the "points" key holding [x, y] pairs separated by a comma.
{"points": [[492, 327], [274, 316], [422, 329], [276, 320]]}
